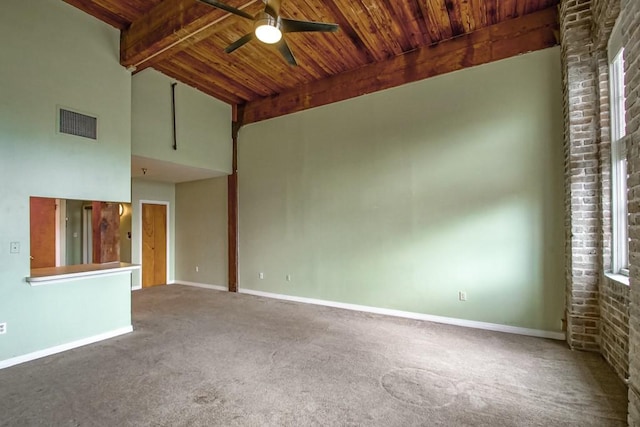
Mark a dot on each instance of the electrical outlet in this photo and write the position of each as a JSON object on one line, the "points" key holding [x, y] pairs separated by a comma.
{"points": [[288, 277], [197, 269], [3, 328], [261, 275], [462, 295], [15, 248]]}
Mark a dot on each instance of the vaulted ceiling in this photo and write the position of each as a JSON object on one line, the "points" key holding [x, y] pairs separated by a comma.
{"points": [[380, 44]]}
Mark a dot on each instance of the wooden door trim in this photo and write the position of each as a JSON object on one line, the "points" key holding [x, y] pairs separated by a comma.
{"points": [[60, 241], [167, 233]]}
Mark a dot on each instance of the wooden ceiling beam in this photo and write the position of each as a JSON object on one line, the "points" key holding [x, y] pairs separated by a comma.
{"points": [[99, 12], [170, 27], [525, 34]]}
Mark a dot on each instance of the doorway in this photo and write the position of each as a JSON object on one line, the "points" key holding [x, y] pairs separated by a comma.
{"points": [[154, 244], [42, 220]]}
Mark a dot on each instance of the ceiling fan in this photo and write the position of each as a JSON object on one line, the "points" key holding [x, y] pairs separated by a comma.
{"points": [[269, 27]]}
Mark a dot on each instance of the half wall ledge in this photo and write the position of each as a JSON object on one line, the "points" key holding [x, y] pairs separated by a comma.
{"points": [[49, 275]]}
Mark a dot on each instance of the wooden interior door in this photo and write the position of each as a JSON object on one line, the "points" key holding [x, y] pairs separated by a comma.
{"points": [[154, 245], [42, 217]]}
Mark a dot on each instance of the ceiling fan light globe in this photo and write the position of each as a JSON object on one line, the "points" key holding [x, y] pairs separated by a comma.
{"points": [[267, 33]]}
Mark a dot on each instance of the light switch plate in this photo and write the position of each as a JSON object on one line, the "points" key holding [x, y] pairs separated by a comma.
{"points": [[15, 248]]}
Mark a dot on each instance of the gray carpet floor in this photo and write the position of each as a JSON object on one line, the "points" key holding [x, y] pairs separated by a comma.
{"points": [[200, 357]]}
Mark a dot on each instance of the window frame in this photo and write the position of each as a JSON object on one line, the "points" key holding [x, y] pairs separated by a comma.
{"points": [[619, 208]]}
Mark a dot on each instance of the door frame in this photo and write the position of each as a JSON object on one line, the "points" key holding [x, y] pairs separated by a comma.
{"points": [[61, 232], [167, 233], [87, 233]]}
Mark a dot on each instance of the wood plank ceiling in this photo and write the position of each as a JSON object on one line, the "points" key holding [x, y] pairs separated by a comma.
{"points": [[380, 44]]}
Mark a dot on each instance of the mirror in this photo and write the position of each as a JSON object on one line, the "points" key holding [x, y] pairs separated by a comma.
{"points": [[71, 232]]}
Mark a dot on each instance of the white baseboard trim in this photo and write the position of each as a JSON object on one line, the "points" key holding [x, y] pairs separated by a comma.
{"points": [[417, 316], [139, 287], [202, 285], [63, 347]]}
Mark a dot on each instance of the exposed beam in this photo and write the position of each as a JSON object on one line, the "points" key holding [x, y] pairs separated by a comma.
{"points": [[100, 12], [168, 28], [232, 203], [513, 37]]}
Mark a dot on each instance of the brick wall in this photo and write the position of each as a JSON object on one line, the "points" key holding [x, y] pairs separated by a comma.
{"points": [[604, 149], [630, 15], [581, 176], [614, 325], [605, 13], [602, 314], [614, 296]]}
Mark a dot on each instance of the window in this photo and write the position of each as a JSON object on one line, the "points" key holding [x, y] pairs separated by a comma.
{"points": [[619, 214]]}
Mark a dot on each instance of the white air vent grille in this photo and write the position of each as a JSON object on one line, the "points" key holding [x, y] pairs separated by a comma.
{"points": [[73, 123]]}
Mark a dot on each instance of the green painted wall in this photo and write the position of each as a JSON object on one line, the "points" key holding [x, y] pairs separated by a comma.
{"points": [[201, 232], [44, 64], [203, 124], [401, 198], [73, 236], [151, 191]]}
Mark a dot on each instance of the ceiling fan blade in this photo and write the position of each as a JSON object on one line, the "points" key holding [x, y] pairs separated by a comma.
{"points": [[294, 26], [283, 47], [239, 43], [227, 8]]}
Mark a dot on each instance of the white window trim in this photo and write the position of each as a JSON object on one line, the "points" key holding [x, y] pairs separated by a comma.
{"points": [[619, 215], [619, 223]]}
